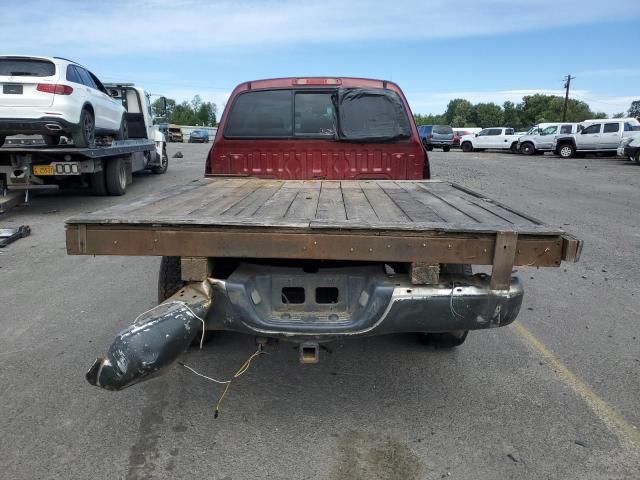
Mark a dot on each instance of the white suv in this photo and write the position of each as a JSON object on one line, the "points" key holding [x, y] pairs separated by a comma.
{"points": [[54, 97]]}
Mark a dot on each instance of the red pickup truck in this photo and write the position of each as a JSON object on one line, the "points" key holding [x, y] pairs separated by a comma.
{"points": [[317, 220]]}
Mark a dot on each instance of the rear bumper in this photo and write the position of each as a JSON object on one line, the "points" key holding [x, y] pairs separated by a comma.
{"points": [[36, 126], [369, 302], [440, 143]]}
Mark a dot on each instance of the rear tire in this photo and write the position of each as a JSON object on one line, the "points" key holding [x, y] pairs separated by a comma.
{"points": [[97, 183], [466, 147], [527, 148], [429, 147], [637, 157], [446, 149], [85, 137], [514, 147], [2, 138], [123, 133], [116, 176], [51, 140], [567, 151], [445, 339], [169, 278]]}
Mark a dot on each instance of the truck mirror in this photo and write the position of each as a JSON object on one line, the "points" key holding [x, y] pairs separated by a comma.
{"points": [[163, 106]]}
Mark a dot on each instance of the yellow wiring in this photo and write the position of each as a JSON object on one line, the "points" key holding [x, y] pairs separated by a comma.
{"points": [[243, 368]]}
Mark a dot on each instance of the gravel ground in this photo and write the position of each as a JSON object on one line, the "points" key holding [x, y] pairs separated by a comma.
{"points": [[555, 396]]}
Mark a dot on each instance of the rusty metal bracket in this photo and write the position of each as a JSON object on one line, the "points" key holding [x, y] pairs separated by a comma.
{"points": [[504, 256]]}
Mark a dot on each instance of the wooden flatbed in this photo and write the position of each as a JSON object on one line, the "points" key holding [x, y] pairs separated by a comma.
{"points": [[370, 220]]}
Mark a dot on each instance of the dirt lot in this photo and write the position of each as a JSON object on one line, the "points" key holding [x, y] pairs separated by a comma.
{"points": [[554, 396]]}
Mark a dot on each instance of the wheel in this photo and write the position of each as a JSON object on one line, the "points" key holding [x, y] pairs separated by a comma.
{"points": [[97, 183], [567, 151], [51, 140], [429, 147], [2, 137], [446, 149], [123, 133], [86, 135], [467, 147], [527, 148], [170, 278], [164, 162], [116, 176], [637, 157], [445, 339], [514, 147]]}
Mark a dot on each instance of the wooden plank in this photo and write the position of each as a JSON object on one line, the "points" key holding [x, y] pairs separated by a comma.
{"points": [[503, 260], [416, 211], [305, 203], [250, 204], [266, 243], [356, 204], [215, 205], [278, 205], [330, 202], [385, 208]]}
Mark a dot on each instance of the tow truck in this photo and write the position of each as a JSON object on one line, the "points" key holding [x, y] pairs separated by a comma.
{"points": [[106, 169]]}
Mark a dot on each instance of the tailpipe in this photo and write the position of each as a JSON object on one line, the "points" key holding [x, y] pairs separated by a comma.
{"points": [[154, 340]]}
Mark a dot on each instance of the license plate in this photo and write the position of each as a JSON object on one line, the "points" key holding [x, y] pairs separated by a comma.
{"points": [[43, 170], [8, 89]]}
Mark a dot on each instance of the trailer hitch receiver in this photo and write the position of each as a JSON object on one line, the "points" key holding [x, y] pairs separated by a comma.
{"points": [[154, 340]]}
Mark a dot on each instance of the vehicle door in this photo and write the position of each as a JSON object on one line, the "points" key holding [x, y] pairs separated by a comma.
{"points": [[104, 108], [611, 135], [148, 118], [80, 90], [589, 138], [546, 137], [482, 139], [495, 138]]}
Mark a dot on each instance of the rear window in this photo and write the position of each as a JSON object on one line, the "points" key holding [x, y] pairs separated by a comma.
{"points": [[25, 67], [442, 129], [360, 114]]}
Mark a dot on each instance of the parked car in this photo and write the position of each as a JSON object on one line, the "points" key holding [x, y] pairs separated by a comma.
{"points": [[199, 136], [175, 134], [597, 136], [458, 134], [52, 96], [544, 134], [495, 138], [440, 136], [630, 147]]}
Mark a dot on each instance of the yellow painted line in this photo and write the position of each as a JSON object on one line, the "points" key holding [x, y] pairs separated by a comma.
{"points": [[626, 432]]}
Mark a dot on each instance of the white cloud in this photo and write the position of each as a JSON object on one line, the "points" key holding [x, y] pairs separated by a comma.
{"points": [[119, 27]]}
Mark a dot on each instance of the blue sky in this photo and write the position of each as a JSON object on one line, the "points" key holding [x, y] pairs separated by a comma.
{"points": [[482, 50]]}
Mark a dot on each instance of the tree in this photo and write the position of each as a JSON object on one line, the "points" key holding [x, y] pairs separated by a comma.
{"points": [[488, 115], [511, 115], [619, 115], [195, 112], [459, 113], [634, 109]]}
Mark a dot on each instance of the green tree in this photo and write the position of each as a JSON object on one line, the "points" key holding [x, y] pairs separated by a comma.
{"points": [[195, 112], [511, 115], [488, 115], [459, 113], [619, 115], [634, 109]]}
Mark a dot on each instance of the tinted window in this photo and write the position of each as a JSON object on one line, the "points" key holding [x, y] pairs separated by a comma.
{"points": [[595, 128], [495, 131], [442, 129], [261, 114], [314, 114], [72, 74], [86, 78], [98, 83], [25, 67], [509, 131], [611, 127], [483, 133], [549, 130], [565, 129]]}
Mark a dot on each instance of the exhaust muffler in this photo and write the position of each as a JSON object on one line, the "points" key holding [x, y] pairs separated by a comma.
{"points": [[154, 340]]}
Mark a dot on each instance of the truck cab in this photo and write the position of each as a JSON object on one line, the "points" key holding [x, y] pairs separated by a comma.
{"points": [[318, 128]]}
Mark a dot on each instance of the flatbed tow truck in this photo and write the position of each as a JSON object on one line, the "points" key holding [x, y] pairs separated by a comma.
{"points": [[107, 168], [372, 247]]}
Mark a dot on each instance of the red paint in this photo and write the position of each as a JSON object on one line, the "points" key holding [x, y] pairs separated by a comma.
{"points": [[308, 159]]}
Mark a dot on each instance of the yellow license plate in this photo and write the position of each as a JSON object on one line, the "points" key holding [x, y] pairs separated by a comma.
{"points": [[43, 170]]}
